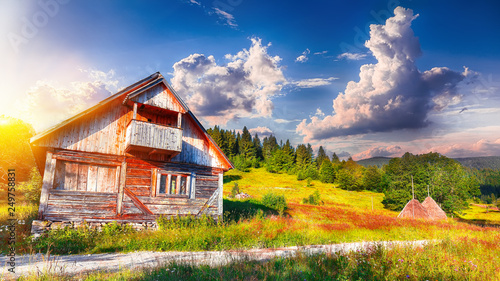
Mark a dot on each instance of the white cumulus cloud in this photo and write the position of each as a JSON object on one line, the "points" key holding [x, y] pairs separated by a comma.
{"points": [[381, 151], [244, 87], [391, 94], [261, 131]]}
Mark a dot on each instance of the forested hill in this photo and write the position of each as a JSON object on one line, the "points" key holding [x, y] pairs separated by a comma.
{"points": [[488, 162], [375, 161]]}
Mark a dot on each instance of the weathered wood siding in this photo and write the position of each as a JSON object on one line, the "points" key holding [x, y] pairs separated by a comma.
{"points": [[78, 205], [159, 96], [101, 131], [196, 148], [144, 134]]}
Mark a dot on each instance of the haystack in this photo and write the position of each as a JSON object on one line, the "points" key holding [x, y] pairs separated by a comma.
{"points": [[433, 209], [414, 209]]}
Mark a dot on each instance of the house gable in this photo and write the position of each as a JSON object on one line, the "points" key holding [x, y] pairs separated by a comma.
{"points": [[107, 128]]}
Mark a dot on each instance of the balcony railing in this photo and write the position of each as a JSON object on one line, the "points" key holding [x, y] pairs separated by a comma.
{"points": [[149, 137]]}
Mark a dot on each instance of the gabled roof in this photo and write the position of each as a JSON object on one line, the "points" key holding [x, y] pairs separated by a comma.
{"points": [[134, 87], [129, 93]]}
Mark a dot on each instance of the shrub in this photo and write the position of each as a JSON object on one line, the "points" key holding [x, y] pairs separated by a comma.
{"points": [[177, 222], [235, 191], [32, 188], [241, 163], [313, 199], [276, 202]]}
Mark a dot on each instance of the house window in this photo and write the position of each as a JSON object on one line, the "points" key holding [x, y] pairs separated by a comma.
{"points": [[174, 184], [76, 176]]}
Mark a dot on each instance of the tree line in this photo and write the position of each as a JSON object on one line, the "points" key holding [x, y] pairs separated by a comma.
{"points": [[444, 179]]}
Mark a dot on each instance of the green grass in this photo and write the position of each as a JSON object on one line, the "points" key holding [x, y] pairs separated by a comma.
{"points": [[460, 259], [479, 214]]}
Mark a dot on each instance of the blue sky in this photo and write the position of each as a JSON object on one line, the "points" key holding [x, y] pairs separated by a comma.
{"points": [[428, 79]]}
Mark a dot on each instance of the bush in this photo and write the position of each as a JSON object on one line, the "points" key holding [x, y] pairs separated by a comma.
{"points": [[241, 163], [235, 191], [32, 188], [308, 171], [276, 202], [313, 199], [178, 222]]}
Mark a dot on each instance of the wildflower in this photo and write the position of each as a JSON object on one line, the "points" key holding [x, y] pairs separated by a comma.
{"points": [[407, 276]]}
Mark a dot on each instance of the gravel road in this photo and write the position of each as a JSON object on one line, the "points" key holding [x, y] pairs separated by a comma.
{"points": [[74, 264]]}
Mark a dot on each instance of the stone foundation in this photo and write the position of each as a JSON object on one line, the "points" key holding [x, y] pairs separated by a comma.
{"points": [[38, 227]]}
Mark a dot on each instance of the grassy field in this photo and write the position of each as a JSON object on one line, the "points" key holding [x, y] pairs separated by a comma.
{"points": [[342, 216]]}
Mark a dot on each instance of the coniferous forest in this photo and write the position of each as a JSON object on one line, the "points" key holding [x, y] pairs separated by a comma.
{"points": [[448, 182]]}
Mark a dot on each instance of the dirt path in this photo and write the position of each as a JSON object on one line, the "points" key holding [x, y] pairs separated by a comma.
{"points": [[74, 264]]}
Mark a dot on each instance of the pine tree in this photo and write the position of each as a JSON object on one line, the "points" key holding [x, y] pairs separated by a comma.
{"points": [[246, 145], [326, 172], [321, 156], [258, 147], [335, 159], [269, 146]]}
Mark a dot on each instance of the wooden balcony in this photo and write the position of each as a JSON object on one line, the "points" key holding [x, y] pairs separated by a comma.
{"points": [[153, 138]]}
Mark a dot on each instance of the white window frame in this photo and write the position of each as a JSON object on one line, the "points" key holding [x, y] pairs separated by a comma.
{"points": [[190, 184]]}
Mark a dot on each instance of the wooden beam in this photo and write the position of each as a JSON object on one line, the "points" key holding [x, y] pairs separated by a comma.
{"points": [[48, 181], [179, 120], [221, 189], [134, 116], [121, 187], [152, 152], [91, 161], [137, 202], [154, 181]]}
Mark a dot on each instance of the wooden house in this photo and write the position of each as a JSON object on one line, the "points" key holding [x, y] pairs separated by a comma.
{"points": [[134, 156]]}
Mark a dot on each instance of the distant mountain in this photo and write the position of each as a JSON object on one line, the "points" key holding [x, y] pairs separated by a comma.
{"points": [[375, 161], [488, 162]]}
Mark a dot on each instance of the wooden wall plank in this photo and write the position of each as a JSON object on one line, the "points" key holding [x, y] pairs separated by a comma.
{"points": [[83, 172], [92, 179], [123, 177], [48, 180], [71, 176]]}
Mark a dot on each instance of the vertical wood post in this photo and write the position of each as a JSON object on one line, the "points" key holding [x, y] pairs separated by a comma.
{"points": [[134, 116], [220, 189], [193, 186], [121, 187], [154, 186], [179, 120], [48, 181]]}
